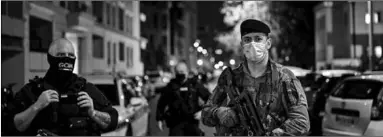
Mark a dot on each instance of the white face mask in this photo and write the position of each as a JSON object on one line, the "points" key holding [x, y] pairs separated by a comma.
{"points": [[256, 52]]}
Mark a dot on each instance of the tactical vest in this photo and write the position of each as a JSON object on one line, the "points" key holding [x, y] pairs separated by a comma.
{"points": [[68, 118], [184, 105]]}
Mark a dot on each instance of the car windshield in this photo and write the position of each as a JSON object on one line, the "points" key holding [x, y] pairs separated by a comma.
{"points": [[358, 89], [329, 84], [110, 91]]}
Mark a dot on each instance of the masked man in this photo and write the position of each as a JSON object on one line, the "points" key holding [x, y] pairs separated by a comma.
{"points": [[180, 104], [275, 91], [61, 102]]}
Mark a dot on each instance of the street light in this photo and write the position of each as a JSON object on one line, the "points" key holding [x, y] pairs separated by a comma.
{"points": [[142, 17], [200, 62], [196, 44], [199, 49], [232, 61], [378, 51], [220, 63], [172, 62], [204, 51], [218, 51], [216, 66]]}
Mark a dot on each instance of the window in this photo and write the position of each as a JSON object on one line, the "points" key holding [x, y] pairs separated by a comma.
{"points": [[63, 4], [180, 47], [358, 89], [97, 7], [108, 61], [129, 61], [110, 92], [164, 41], [180, 30], [113, 16], [121, 19], [11, 41], [129, 24], [73, 6], [164, 21], [122, 50], [41, 34], [98, 46], [12, 9], [114, 53], [155, 20], [108, 18]]}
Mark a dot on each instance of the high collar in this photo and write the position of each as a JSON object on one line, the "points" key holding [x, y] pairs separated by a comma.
{"points": [[246, 70], [52, 79]]}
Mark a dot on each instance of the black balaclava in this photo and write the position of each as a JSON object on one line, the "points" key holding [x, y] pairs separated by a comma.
{"points": [[60, 70], [180, 77]]}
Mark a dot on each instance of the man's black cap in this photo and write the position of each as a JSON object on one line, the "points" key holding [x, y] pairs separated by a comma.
{"points": [[252, 25]]}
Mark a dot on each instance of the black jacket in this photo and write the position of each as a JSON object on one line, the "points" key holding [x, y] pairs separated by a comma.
{"points": [[169, 107], [44, 119]]}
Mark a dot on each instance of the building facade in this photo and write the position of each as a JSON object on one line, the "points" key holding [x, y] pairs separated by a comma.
{"points": [[170, 29], [341, 34], [106, 37]]}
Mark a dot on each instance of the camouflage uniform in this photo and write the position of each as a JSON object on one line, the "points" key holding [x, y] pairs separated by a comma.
{"points": [[278, 95]]}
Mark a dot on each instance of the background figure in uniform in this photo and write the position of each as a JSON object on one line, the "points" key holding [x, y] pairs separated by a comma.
{"points": [[276, 93], [61, 102], [180, 104]]}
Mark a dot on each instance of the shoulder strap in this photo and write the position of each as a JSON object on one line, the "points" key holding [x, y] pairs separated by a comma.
{"points": [[36, 86]]}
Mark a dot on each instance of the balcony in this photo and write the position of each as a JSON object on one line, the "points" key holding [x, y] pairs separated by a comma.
{"points": [[80, 20]]}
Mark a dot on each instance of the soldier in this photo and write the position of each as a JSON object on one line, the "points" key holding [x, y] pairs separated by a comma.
{"points": [[277, 94]]}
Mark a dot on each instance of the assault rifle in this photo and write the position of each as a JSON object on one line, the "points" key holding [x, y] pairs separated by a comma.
{"points": [[243, 105]]}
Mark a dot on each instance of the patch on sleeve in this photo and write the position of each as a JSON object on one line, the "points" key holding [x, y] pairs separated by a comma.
{"points": [[289, 73]]}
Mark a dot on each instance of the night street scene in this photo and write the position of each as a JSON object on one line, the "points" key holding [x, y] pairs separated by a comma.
{"points": [[191, 68]]}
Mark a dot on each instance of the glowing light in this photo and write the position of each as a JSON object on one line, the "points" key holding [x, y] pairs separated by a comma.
{"points": [[142, 17], [199, 49], [232, 62], [218, 51], [172, 62], [220, 63], [378, 51], [200, 62], [196, 44], [216, 66]]}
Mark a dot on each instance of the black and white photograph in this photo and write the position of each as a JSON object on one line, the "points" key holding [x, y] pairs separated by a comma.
{"points": [[191, 68]]}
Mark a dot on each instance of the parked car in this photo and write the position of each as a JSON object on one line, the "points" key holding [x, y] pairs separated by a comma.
{"points": [[355, 107], [321, 84], [133, 110], [328, 80]]}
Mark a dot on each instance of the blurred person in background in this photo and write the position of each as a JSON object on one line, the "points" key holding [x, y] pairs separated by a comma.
{"points": [[179, 105], [276, 93]]}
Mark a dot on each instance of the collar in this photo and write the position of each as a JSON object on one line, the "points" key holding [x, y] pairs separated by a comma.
{"points": [[246, 70]]}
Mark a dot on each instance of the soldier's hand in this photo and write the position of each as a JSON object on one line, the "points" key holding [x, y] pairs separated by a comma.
{"points": [[160, 125], [84, 100], [197, 115], [227, 116], [278, 132], [46, 98]]}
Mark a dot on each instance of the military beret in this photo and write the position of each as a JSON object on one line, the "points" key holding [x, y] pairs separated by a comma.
{"points": [[252, 25]]}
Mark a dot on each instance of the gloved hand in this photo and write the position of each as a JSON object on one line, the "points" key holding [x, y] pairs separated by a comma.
{"points": [[227, 117]]}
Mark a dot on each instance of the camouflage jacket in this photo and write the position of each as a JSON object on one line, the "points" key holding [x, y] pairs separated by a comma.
{"points": [[277, 94]]}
